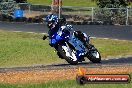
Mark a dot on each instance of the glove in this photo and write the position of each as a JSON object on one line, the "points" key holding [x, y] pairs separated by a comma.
{"points": [[44, 37]]}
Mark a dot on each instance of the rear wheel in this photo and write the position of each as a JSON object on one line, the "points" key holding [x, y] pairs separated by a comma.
{"points": [[68, 54], [94, 55]]}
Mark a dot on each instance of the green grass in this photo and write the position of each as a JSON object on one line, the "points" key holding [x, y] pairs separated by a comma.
{"points": [[84, 3], [113, 47], [25, 49], [65, 84], [88, 3], [22, 49]]}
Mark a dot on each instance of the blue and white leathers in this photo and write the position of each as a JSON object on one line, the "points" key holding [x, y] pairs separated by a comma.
{"points": [[66, 33]]}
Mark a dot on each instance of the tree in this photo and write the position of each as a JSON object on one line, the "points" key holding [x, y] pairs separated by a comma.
{"points": [[7, 6], [113, 15], [112, 3]]}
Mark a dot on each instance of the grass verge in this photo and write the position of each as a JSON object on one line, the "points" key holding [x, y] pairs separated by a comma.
{"points": [[87, 3], [65, 84], [22, 49], [83, 3]]}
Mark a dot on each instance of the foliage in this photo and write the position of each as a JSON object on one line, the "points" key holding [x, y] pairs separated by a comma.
{"points": [[7, 7], [115, 15], [111, 16], [112, 3]]}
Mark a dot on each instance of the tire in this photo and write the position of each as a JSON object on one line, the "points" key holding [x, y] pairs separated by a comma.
{"points": [[94, 55], [60, 56], [63, 54]]}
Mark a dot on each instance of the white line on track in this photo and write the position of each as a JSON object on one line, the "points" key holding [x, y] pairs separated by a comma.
{"points": [[90, 37]]}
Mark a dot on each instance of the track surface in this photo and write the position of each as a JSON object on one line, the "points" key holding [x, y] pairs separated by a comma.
{"points": [[118, 62], [103, 31], [114, 32]]}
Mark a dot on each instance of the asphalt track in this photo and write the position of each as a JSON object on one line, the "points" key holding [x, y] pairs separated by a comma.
{"points": [[115, 62], [113, 32], [102, 31]]}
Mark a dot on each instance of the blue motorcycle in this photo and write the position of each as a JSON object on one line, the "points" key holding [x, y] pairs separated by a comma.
{"points": [[70, 45]]}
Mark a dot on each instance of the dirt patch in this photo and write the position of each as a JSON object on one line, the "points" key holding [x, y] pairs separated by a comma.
{"points": [[38, 76], [33, 14]]}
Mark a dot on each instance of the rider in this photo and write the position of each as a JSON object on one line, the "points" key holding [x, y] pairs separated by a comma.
{"points": [[82, 37], [54, 24]]}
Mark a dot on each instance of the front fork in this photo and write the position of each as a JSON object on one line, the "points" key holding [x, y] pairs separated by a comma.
{"points": [[80, 55]]}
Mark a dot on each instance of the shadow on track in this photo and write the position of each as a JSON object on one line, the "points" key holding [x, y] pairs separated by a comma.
{"points": [[110, 62], [119, 61]]}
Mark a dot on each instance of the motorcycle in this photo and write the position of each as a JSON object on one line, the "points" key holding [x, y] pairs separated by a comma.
{"points": [[73, 46]]}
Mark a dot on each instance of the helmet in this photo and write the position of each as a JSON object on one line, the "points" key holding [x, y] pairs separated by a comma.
{"points": [[51, 20]]}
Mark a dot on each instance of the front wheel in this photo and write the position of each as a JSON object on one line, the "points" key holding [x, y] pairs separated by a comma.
{"points": [[94, 55], [68, 53]]}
